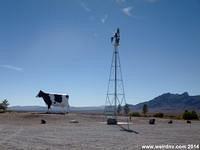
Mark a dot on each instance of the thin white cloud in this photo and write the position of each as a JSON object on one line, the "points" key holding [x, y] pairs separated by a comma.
{"points": [[103, 20], [127, 11], [85, 7], [11, 67]]}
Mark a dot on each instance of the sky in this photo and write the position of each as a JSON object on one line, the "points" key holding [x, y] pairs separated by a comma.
{"points": [[63, 46]]}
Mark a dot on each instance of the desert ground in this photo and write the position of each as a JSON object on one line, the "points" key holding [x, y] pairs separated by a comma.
{"points": [[24, 131]]}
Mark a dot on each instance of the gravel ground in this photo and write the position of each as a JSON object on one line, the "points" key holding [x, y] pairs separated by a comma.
{"points": [[23, 131]]}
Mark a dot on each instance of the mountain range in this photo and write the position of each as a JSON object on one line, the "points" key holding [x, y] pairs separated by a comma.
{"points": [[171, 103], [167, 103]]}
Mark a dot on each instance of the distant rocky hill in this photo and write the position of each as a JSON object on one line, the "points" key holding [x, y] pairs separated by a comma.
{"points": [[175, 103]]}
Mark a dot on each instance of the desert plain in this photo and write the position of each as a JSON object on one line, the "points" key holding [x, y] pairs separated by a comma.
{"points": [[24, 131]]}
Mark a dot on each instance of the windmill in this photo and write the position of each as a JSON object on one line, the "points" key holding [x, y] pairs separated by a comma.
{"points": [[115, 97]]}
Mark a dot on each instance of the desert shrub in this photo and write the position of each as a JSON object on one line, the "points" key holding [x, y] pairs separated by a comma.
{"points": [[195, 115], [135, 114], [119, 109], [178, 117], [149, 115], [126, 109], [187, 115], [159, 115], [172, 116], [4, 105], [145, 109]]}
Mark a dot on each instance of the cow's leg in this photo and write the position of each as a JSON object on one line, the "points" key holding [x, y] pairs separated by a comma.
{"points": [[63, 108], [49, 106], [67, 109], [47, 111]]}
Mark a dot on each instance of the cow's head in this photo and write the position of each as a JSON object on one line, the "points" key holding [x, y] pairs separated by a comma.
{"points": [[40, 94]]}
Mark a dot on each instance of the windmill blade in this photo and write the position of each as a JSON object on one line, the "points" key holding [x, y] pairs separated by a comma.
{"points": [[112, 39], [118, 31]]}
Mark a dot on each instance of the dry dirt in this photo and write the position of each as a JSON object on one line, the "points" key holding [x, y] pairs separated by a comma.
{"points": [[24, 131]]}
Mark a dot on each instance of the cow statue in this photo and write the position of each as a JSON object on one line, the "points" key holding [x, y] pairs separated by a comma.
{"points": [[59, 100]]}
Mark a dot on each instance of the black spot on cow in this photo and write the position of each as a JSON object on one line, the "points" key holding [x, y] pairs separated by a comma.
{"points": [[58, 98], [47, 100]]}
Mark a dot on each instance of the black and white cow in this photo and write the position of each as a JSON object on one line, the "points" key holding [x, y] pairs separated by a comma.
{"points": [[55, 100]]}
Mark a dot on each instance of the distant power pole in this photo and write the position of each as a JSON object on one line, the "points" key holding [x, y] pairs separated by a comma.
{"points": [[115, 92]]}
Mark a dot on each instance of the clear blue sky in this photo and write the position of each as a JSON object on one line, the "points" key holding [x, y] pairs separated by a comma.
{"points": [[63, 46]]}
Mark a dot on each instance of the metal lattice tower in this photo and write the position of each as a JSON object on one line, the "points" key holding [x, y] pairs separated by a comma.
{"points": [[115, 90]]}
